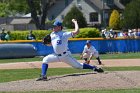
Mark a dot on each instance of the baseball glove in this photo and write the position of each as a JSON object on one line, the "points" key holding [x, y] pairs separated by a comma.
{"points": [[46, 40]]}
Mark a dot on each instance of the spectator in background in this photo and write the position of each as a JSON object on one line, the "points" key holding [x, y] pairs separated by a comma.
{"points": [[31, 36], [8, 36], [111, 33], [139, 32], [115, 34], [106, 33], [103, 34], [130, 33], [135, 33], [3, 34], [120, 34], [125, 33]]}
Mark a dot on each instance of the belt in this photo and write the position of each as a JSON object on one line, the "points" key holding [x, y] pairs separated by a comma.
{"points": [[61, 54]]}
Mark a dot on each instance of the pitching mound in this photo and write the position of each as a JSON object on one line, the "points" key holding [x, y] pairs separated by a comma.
{"points": [[84, 81]]}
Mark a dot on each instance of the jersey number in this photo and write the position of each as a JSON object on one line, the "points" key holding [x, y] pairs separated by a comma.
{"points": [[59, 42]]}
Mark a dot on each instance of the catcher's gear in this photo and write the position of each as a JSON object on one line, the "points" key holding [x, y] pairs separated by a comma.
{"points": [[46, 40]]}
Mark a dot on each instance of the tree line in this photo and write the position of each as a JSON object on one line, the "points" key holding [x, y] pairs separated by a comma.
{"points": [[38, 9]]}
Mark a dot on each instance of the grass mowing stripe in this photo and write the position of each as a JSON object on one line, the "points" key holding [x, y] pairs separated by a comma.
{"points": [[98, 91], [77, 56], [121, 56], [21, 60], [86, 91], [20, 74], [131, 68], [115, 56]]}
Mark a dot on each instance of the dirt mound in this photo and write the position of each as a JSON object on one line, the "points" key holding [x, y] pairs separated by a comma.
{"points": [[79, 81]]}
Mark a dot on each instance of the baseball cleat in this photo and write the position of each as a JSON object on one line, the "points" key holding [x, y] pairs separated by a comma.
{"points": [[42, 78], [99, 70]]}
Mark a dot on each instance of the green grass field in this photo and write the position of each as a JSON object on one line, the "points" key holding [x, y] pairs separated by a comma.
{"points": [[87, 91], [97, 91], [102, 56], [21, 74]]}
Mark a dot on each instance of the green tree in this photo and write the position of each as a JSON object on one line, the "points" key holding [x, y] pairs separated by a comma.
{"points": [[39, 11], [37, 8], [12, 7], [77, 14], [125, 2], [19, 6], [114, 20], [132, 15], [3, 10]]}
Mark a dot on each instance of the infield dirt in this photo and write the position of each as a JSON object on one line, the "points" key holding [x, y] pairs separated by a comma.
{"points": [[37, 64]]}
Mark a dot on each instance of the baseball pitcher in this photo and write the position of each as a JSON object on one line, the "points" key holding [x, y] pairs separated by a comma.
{"points": [[59, 41]]}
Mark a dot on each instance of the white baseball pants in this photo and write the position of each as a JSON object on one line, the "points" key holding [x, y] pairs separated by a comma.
{"points": [[67, 58], [87, 55]]}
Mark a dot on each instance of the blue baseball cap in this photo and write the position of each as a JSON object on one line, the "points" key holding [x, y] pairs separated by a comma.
{"points": [[88, 42], [57, 23]]}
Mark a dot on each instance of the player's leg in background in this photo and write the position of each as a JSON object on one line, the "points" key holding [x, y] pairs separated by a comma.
{"points": [[48, 59], [86, 60], [97, 57], [74, 63]]}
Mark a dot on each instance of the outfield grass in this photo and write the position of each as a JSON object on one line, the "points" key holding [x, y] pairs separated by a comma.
{"points": [[20, 74], [116, 56], [20, 60], [102, 56], [87, 91], [95, 91], [121, 56]]}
